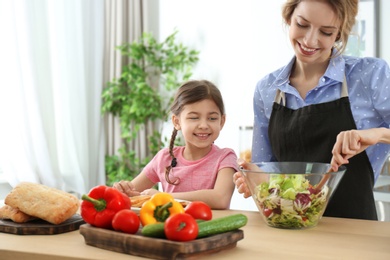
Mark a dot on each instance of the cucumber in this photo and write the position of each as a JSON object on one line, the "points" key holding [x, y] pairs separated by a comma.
{"points": [[157, 229], [206, 228], [221, 225], [154, 230]]}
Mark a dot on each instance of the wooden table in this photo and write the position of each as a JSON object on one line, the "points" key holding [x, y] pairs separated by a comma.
{"points": [[333, 238]]}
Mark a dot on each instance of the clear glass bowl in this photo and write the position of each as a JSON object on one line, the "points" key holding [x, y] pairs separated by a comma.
{"points": [[292, 195]]}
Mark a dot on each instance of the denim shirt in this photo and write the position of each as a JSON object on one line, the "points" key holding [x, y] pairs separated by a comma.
{"points": [[368, 81]]}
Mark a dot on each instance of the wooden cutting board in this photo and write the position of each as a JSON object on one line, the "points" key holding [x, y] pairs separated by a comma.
{"points": [[40, 227], [158, 248]]}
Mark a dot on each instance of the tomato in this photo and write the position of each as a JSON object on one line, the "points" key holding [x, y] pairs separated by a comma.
{"points": [[267, 212], [181, 227], [126, 221], [199, 210]]}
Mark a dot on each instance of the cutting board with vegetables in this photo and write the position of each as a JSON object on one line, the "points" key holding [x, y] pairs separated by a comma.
{"points": [[40, 227], [158, 248]]}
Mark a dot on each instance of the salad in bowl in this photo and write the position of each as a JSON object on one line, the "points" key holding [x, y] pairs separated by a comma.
{"points": [[292, 195]]}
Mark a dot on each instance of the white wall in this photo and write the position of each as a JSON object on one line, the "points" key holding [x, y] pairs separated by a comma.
{"points": [[237, 49], [384, 35], [236, 46]]}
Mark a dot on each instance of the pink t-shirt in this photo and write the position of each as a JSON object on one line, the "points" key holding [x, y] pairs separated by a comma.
{"points": [[194, 175]]}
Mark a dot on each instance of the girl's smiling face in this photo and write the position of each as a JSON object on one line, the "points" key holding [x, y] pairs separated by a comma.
{"points": [[314, 28], [200, 123]]}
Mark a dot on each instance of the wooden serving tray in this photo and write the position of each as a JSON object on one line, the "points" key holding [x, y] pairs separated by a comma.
{"points": [[158, 248], [40, 227]]}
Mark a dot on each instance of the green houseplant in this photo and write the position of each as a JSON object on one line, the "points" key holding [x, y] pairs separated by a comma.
{"points": [[141, 97]]}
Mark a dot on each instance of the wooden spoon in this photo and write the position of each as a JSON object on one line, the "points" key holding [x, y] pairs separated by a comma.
{"points": [[324, 179]]}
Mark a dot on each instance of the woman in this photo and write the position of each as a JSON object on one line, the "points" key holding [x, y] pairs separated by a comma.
{"points": [[325, 107]]}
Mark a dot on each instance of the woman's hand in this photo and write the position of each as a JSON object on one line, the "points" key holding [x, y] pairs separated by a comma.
{"points": [[352, 142], [126, 187], [239, 180]]}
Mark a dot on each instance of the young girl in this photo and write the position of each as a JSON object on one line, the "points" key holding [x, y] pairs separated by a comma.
{"points": [[199, 170]]}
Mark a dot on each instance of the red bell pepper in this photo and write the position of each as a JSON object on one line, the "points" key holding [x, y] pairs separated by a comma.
{"points": [[99, 207]]}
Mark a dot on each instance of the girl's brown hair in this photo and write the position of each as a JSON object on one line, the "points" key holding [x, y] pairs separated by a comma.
{"points": [[346, 11], [191, 92]]}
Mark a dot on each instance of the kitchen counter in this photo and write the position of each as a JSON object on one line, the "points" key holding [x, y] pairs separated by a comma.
{"points": [[333, 238]]}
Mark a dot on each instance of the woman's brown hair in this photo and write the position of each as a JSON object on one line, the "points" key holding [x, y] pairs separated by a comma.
{"points": [[191, 92], [346, 11]]}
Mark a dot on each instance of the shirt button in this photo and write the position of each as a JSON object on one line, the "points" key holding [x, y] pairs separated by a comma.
{"points": [[323, 79]]}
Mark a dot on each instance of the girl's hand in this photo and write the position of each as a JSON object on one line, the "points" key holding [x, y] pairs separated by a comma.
{"points": [[126, 187], [352, 142], [150, 192]]}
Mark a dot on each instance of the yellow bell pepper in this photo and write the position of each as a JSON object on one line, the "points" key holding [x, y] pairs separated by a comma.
{"points": [[159, 208]]}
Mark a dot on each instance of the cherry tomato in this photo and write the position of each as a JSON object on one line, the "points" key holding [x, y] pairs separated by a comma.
{"points": [[181, 227], [199, 210], [126, 221], [267, 212]]}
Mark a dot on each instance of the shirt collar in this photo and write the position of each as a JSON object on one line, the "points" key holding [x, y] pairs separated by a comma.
{"points": [[284, 74], [335, 70]]}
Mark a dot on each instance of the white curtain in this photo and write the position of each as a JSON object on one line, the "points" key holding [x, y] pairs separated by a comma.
{"points": [[126, 20], [51, 68]]}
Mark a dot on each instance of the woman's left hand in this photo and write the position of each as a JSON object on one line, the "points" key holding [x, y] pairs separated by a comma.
{"points": [[238, 178], [352, 142]]}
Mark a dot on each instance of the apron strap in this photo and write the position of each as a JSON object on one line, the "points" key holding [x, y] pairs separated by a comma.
{"points": [[344, 88], [280, 97]]}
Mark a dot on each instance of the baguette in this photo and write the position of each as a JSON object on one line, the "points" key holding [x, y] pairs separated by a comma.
{"points": [[137, 201], [8, 212], [37, 200]]}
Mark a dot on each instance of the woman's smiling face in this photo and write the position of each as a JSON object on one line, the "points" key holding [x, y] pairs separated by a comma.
{"points": [[314, 27]]}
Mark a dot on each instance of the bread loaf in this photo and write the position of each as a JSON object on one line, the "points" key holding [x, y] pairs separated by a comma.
{"points": [[8, 212], [50, 204]]}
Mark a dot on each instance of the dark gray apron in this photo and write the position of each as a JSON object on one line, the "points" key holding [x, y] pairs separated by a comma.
{"points": [[308, 134]]}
